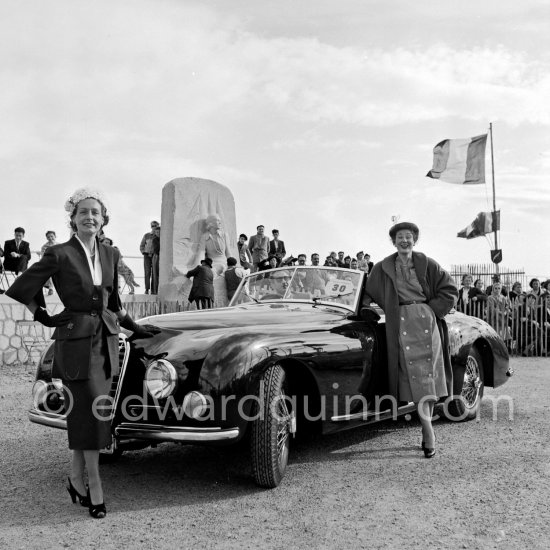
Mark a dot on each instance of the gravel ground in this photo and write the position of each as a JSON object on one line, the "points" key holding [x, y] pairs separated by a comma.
{"points": [[488, 486]]}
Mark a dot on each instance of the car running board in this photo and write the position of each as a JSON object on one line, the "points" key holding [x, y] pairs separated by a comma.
{"points": [[371, 415]]}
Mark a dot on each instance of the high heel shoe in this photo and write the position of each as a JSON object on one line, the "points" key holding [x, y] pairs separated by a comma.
{"points": [[97, 511], [429, 453], [83, 499]]}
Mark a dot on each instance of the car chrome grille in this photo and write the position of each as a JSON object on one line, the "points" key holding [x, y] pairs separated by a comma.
{"points": [[123, 353]]}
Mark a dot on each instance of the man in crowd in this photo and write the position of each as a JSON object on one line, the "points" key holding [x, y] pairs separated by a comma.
{"points": [[340, 259], [17, 252], [233, 277], [202, 291], [369, 263], [279, 281], [315, 259], [146, 248], [155, 258], [245, 258], [259, 247], [277, 247], [302, 259]]}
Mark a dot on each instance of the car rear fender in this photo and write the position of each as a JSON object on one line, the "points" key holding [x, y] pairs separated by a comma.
{"points": [[459, 364]]}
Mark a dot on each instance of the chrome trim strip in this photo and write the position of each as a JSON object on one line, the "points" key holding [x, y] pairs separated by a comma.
{"points": [[48, 419], [373, 415], [174, 433], [122, 338]]}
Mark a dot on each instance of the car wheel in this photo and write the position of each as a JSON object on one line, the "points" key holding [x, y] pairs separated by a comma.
{"points": [[466, 406], [270, 434]]}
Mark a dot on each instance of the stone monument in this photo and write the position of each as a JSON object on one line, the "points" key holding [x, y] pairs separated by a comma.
{"points": [[197, 220]]}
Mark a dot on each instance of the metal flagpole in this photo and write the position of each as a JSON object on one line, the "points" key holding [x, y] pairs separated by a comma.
{"points": [[497, 254]]}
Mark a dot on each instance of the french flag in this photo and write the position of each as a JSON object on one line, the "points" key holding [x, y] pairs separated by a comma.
{"points": [[460, 160]]}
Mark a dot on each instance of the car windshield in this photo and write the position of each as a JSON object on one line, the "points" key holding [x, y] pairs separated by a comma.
{"points": [[303, 284]]}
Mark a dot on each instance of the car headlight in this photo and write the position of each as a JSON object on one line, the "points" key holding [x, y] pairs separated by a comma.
{"points": [[39, 393], [194, 404], [160, 379]]}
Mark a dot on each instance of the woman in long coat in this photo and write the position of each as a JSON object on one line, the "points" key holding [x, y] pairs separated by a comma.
{"points": [[84, 273], [415, 294]]}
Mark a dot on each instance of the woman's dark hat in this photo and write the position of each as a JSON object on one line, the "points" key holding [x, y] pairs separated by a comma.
{"points": [[412, 227]]}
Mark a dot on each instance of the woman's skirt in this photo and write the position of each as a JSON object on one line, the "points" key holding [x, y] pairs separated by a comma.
{"points": [[88, 421], [421, 362]]}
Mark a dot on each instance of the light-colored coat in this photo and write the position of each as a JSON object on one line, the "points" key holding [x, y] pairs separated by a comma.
{"points": [[441, 294]]}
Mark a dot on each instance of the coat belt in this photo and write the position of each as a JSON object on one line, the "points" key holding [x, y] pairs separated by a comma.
{"points": [[411, 302]]}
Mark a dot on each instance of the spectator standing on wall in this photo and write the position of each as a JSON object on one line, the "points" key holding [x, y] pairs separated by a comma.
{"points": [[146, 248], [245, 258], [155, 260], [277, 247], [17, 252], [51, 240], [259, 247]]}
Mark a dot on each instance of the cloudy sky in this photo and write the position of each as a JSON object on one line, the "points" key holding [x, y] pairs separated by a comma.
{"points": [[319, 115]]}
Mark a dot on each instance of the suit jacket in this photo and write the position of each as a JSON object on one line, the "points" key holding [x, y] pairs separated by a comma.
{"points": [[259, 247], [203, 283], [441, 293], [90, 306], [10, 263], [279, 251]]}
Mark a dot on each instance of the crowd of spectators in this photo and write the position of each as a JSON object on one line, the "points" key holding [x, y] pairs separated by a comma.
{"points": [[261, 253], [520, 317]]}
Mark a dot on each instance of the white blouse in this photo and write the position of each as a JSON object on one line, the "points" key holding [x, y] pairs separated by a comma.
{"points": [[94, 265]]}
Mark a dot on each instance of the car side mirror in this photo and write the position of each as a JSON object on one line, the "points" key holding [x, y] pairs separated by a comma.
{"points": [[369, 315]]}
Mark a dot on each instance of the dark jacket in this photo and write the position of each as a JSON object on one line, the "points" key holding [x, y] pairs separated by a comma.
{"points": [[441, 293], [471, 308], [203, 283], [232, 281], [89, 305], [279, 252], [16, 264]]}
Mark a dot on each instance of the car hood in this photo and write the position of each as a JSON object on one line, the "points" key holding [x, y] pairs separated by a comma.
{"points": [[253, 315], [190, 335]]}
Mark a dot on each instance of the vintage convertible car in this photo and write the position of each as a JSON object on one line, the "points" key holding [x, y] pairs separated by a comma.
{"points": [[293, 353]]}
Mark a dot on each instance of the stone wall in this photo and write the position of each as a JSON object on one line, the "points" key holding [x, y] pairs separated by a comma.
{"points": [[22, 340]]}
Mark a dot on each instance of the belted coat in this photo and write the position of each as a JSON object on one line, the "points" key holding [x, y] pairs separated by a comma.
{"points": [[441, 294], [89, 305]]}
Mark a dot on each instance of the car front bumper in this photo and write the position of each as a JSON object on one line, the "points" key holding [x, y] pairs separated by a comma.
{"points": [[176, 434], [148, 432]]}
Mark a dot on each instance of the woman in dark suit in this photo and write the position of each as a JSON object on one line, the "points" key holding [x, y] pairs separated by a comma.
{"points": [[84, 273], [415, 294]]}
